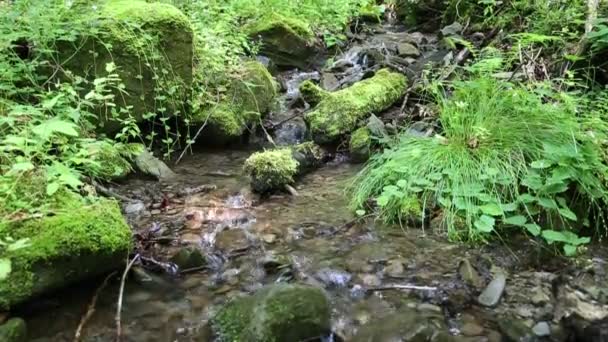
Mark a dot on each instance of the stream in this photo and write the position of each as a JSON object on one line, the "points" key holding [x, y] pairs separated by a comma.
{"points": [[386, 283]]}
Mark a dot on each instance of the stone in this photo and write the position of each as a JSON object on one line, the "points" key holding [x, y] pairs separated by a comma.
{"points": [[395, 269], [148, 164], [232, 240], [542, 329], [329, 81], [135, 208], [453, 29], [370, 280], [406, 325], [407, 50], [189, 257], [278, 312], [269, 238], [14, 330], [171, 51], [471, 329], [539, 296], [360, 145], [333, 277], [469, 274], [514, 330], [493, 292], [290, 133], [338, 113], [81, 240]]}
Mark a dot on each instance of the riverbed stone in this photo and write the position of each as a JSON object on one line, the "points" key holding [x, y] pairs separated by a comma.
{"points": [[541, 329], [341, 112], [405, 325], [407, 50], [142, 63], [148, 164], [279, 312], [491, 295], [360, 145], [514, 330], [14, 330], [469, 274], [80, 240], [232, 240], [188, 257]]}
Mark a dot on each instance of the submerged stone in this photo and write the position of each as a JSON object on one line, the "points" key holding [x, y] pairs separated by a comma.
{"points": [[151, 45], [78, 241], [405, 325], [339, 113], [14, 330], [249, 96], [288, 42], [280, 312]]}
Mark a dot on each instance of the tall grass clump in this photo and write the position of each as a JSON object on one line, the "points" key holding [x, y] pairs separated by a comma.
{"points": [[506, 157]]}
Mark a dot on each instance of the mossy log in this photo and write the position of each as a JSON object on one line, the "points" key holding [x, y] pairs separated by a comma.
{"points": [[273, 170], [336, 114], [281, 312], [79, 241]]}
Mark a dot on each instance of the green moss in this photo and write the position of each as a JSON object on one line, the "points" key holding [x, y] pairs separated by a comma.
{"points": [[250, 95], [282, 312], [13, 331], [276, 22], [79, 240], [340, 112], [271, 170], [110, 160], [312, 93], [360, 144]]}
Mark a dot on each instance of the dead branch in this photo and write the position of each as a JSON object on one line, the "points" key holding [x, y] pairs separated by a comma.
{"points": [[402, 287], [91, 307], [120, 295]]}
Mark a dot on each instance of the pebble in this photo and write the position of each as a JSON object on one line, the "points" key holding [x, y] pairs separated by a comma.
{"points": [[542, 329], [135, 208], [471, 329], [493, 292], [370, 280], [394, 269], [155, 212], [269, 238], [429, 308]]}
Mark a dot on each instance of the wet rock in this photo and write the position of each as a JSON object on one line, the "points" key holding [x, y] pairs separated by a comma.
{"points": [[291, 133], [134, 209], [14, 330], [469, 274], [515, 330], [280, 312], [269, 238], [333, 277], [360, 145], [406, 325], [541, 329], [539, 296], [370, 280], [150, 165], [338, 113], [232, 240], [493, 292], [395, 269], [573, 302], [329, 81], [376, 127], [273, 263], [407, 50], [189, 257], [453, 29], [471, 329]]}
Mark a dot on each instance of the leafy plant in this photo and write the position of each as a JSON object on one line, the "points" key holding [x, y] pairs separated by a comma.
{"points": [[8, 245]]}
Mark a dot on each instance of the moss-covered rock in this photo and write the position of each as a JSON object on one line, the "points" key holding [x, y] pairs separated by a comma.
{"points": [[421, 13], [281, 312], [360, 144], [150, 43], [14, 330], [250, 95], [78, 241], [272, 170], [288, 42], [339, 113]]}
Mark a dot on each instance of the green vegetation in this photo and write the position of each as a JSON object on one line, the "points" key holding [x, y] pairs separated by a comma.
{"points": [[270, 170]]}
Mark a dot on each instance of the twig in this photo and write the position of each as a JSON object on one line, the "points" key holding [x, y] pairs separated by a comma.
{"points": [[402, 287], [120, 294], [292, 191], [91, 307], [195, 137], [111, 193], [194, 269]]}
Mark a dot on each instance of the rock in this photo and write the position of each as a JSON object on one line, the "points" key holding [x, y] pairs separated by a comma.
{"points": [[329, 81], [515, 330], [360, 145], [170, 50], [189, 257], [333, 277], [453, 29], [279, 312], [539, 296], [249, 96], [134, 209], [406, 325], [288, 42], [376, 127], [338, 113], [421, 14], [269, 238], [395, 269], [493, 292], [14, 330], [407, 50], [370, 280], [469, 274], [291, 133], [574, 303], [232, 240], [79, 241], [273, 170], [150, 165], [541, 329], [471, 329]]}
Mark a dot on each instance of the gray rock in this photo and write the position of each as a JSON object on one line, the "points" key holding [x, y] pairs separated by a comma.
{"points": [[333, 277], [376, 127], [542, 329], [493, 292], [515, 331], [188, 257], [452, 30], [134, 208], [469, 274], [14, 330], [153, 166], [407, 50], [329, 81], [407, 325], [290, 133]]}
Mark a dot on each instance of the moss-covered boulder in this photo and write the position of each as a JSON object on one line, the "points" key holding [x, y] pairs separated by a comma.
{"points": [[341, 112], [14, 330], [425, 14], [272, 170], [77, 241], [281, 312], [360, 145], [151, 45], [288, 42], [249, 96]]}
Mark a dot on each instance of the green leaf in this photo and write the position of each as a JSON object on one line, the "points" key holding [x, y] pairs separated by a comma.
{"points": [[485, 224], [540, 164], [533, 229], [382, 200], [402, 183], [51, 188], [21, 167], [548, 203], [360, 213], [19, 244], [567, 213], [526, 198], [517, 220], [5, 268], [491, 209], [569, 250], [555, 236], [55, 125]]}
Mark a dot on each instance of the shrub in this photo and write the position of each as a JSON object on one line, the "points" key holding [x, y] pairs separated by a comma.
{"points": [[507, 156]]}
